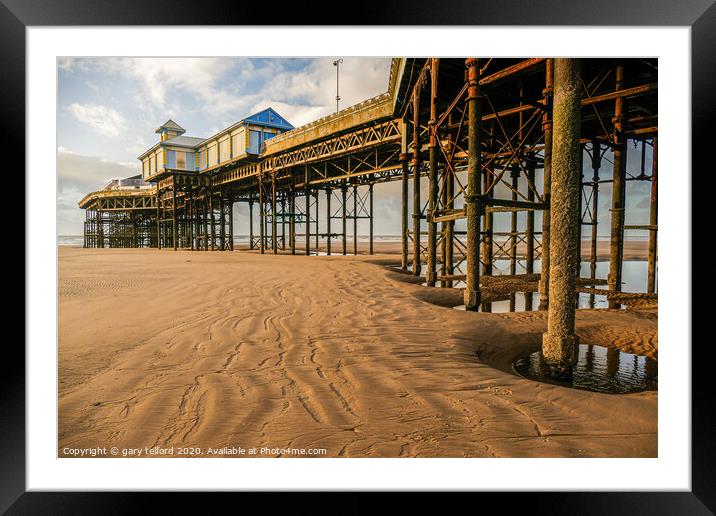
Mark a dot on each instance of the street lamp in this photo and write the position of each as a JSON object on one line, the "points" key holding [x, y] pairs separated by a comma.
{"points": [[337, 64]]}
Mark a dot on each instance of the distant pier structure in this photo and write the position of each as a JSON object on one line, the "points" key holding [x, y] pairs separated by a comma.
{"points": [[483, 132]]}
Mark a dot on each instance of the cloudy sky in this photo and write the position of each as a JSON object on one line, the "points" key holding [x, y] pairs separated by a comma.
{"points": [[108, 109]]}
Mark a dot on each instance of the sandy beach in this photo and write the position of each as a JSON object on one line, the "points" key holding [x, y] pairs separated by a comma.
{"points": [[233, 349]]}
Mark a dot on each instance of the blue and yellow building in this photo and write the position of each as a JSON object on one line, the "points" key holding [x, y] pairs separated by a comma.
{"points": [[243, 140]]}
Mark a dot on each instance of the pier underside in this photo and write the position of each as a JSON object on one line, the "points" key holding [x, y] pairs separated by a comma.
{"points": [[479, 132]]}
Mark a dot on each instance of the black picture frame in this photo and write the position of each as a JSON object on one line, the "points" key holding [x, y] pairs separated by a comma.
{"points": [[16, 15]]}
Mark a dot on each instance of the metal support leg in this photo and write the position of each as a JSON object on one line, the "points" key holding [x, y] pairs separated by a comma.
{"points": [[651, 279], [559, 343], [547, 180], [616, 247], [472, 208], [404, 211]]}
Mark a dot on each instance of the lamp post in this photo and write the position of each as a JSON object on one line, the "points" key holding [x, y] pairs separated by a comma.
{"points": [[337, 64]]}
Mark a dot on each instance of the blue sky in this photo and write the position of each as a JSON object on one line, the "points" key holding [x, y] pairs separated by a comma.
{"points": [[109, 108]]}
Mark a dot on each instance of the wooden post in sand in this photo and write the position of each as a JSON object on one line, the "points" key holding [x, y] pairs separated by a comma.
{"points": [[559, 343], [651, 278], [616, 245], [416, 181], [431, 272], [472, 208]]}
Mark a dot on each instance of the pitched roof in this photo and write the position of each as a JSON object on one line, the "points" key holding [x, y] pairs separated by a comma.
{"points": [[270, 118], [184, 141], [170, 125]]}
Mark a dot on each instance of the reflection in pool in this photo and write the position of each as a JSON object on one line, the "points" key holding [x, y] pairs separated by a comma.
{"points": [[598, 368]]}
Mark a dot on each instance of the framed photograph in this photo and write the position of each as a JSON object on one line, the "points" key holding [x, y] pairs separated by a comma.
{"points": [[421, 249]]}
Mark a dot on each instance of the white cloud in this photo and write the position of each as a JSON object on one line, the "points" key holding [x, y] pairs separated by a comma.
{"points": [[101, 119], [199, 77]]}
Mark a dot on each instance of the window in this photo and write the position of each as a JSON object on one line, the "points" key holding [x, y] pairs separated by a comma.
{"points": [[181, 160]]}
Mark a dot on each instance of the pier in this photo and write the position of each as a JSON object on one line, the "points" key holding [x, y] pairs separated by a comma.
{"points": [[482, 131]]}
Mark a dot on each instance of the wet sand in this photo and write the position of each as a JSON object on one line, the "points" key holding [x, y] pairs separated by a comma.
{"points": [[233, 349]]}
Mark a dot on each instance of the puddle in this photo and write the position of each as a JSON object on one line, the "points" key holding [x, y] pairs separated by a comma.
{"points": [[519, 302], [598, 368]]}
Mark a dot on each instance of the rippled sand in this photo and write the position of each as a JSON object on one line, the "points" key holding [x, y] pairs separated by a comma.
{"points": [[202, 349]]}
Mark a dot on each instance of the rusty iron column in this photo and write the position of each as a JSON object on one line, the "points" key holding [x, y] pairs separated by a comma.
{"points": [[274, 245], [431, 273], [530, 231], [100, 228], [159, 221], [190, 221], [133, 229], [450, 224], [317, 219], [487, 228], [530, 236], [559, 343], [222, 227], [262, 226], [355, 220], [231, 224], [416, 181], [292, 220], [444, 199], [651, 279], [205, 209], [283, 223], [547, 181], [596, 165], [197, 221], [472, 207], [370, 204], [307, 187], [213, 221], [579, 220], [251, 224], [404, 211], [515, 176], [616, 245], [344, 193], [329, 194]]}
